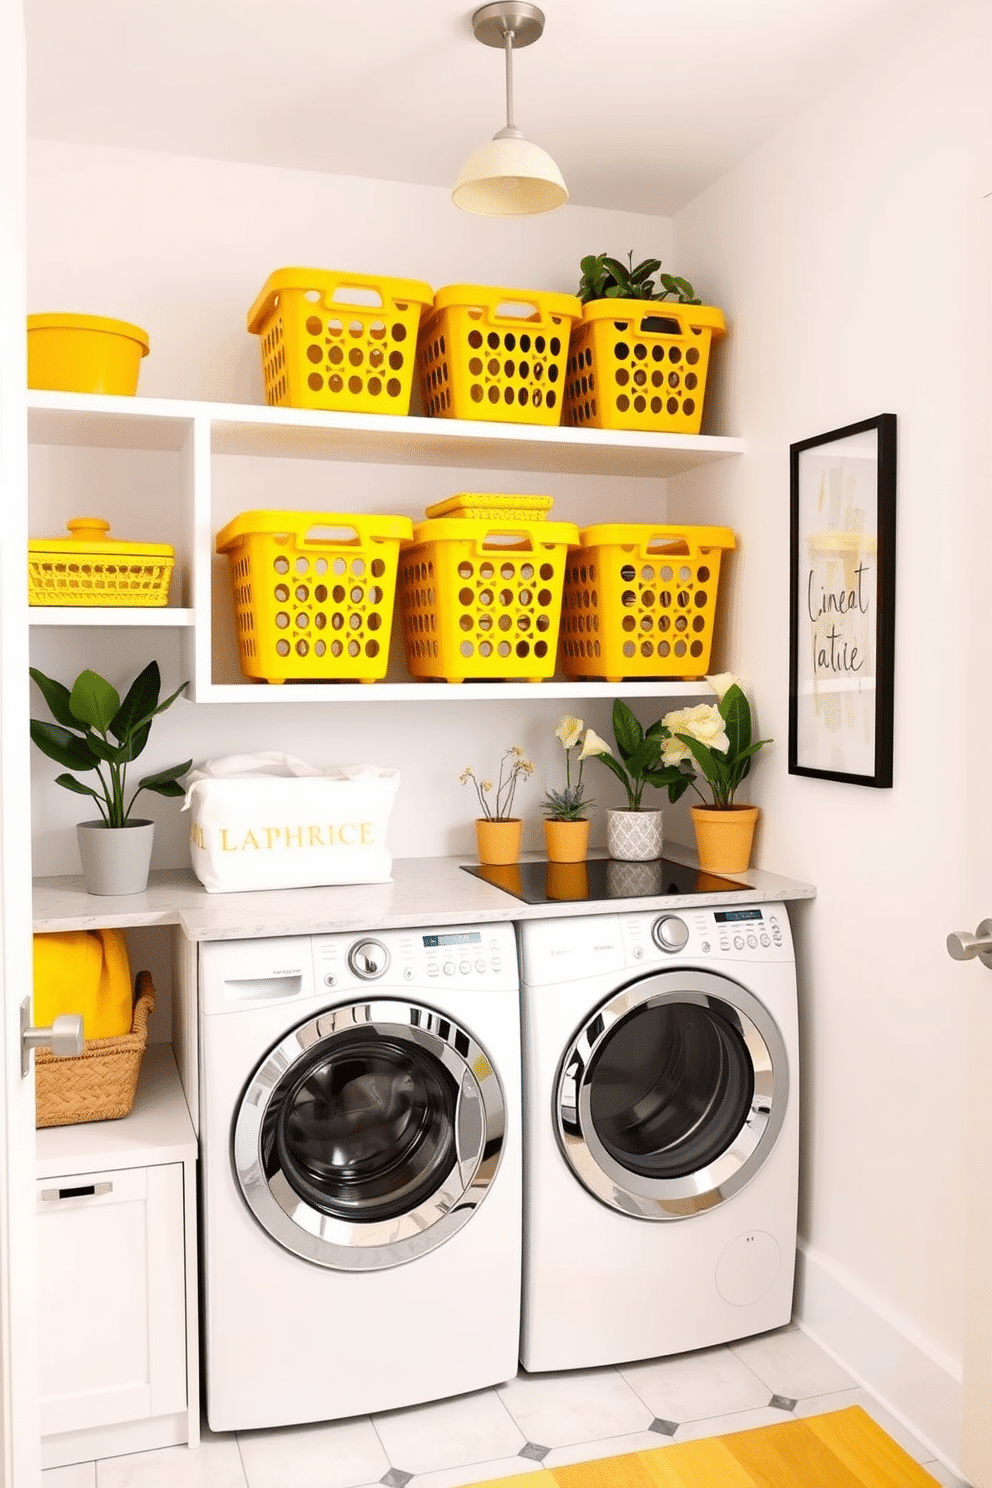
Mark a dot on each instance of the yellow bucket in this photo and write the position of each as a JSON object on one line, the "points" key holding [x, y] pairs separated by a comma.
{"points": [[84, 354]]}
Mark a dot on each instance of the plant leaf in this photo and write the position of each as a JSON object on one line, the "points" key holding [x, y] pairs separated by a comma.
{"points": [[94, 701], [70, 783], [616, 767], [644, 270], [736, 714], [165, 778], [139, 704], [626, 729], [56, 696], [61, 746]]}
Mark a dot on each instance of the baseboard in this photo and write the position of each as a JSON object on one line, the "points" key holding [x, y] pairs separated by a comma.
{"points": [[68, 1447], [908, 1375]]}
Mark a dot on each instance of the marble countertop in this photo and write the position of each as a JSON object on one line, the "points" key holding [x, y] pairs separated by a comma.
{"points": [[423, 891]]}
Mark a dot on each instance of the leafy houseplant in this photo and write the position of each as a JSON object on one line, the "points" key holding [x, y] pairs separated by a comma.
{"points": [[605, 278], [95, 731], [635, 834], [716, 738]]}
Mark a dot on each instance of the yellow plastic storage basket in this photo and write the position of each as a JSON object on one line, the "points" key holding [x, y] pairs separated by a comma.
{"points": [[85, 354], [636, 365], [482, 599], [338, 341], [639, 601], [482, 506], [90, 568], [495, 354], [313, 593]]}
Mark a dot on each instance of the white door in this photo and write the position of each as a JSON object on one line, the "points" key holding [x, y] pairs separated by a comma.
{"points": [[19, 1416], [974, 980]]}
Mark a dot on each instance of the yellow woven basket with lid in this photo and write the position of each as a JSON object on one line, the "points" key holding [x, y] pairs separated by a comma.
{"points": [[90, 568]]}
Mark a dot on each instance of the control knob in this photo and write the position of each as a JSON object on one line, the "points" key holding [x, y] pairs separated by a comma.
{"points": [[669, 933], [368, 959]]}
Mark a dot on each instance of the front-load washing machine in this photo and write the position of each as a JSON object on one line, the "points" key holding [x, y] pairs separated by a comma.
{"points": [[360, 1171], [661, 1122]]}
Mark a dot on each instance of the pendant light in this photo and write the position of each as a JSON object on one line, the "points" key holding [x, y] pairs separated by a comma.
{"points": [[509, 177]]}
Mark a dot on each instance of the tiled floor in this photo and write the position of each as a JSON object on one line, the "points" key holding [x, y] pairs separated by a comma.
{"points": [[530, 1423]]}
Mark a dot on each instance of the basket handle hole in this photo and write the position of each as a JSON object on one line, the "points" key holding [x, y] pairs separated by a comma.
{"points": [[517, 310], [514, 541], [335, 535], [355, 294], [672, 545], [660, 325]]}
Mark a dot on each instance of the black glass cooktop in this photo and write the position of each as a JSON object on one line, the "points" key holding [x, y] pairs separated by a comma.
{"points": [[540, 882]]}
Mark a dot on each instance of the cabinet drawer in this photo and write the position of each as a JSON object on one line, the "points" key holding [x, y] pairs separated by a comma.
{"points": [[112, 1307]]}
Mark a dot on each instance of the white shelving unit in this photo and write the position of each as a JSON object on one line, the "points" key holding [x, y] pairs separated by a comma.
{"points": [[198, 434]]}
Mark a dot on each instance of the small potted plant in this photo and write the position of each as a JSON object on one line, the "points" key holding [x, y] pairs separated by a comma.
{"points": [[566, 820], [498, 831], [639, 357], [634, 834], [95, 731], [716, 738]]}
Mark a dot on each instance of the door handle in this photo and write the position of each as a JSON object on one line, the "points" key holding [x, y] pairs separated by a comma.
{"points": [[64, 1037], [964, 947]]}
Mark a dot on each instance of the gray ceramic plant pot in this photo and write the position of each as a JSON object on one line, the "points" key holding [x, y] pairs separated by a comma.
{"points": [[115, 859], [634, 836]]}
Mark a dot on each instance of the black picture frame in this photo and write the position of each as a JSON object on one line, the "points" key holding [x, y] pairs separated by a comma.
{"points": [[842, 570]]}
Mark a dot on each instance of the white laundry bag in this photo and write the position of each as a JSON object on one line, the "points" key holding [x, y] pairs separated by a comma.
{"points": [[268, 821]]}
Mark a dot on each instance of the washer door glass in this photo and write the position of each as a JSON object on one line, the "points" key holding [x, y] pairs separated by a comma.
{"points": [[369, 1135], [672, 1094]]}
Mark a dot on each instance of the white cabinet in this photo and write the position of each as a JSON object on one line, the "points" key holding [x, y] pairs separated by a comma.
{"points": [[187, 461], [117, 1277]]}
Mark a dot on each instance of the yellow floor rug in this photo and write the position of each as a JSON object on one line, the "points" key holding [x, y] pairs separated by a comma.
{"points": [[844, 1449]]}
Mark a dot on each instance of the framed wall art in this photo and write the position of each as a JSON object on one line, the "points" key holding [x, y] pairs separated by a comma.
{"points": [[842, 603]]}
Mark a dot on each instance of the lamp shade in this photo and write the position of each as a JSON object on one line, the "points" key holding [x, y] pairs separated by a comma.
{"points": [[509, 177]]}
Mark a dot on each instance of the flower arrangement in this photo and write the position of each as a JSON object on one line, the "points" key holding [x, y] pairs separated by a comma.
{"points": [[571, 804], [513, 767], [94, 730], [717, 737], [640, 763]]}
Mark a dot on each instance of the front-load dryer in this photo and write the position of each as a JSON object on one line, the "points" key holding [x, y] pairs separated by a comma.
{"points": [[661, 1130], [360, 1171]]}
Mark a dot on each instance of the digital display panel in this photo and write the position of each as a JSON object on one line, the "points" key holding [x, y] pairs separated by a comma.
{"points": [[728, 916], [468, 937]]}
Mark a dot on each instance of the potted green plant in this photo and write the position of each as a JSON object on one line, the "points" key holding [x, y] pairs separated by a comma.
{"points": [[498, 832], [566, 811], [95, 731], [634, 833], [640, 355], [715, 738]]}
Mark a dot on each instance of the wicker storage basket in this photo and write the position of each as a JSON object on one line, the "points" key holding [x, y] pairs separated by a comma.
{"points": [[100, 1083]]}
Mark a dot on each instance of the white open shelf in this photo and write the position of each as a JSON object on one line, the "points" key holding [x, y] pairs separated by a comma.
{"points": [[192, 437]]}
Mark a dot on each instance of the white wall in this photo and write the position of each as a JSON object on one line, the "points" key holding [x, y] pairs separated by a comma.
{"points": [[182, 247], [846, 253]]}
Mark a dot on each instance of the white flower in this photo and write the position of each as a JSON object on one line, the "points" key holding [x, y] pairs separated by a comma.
{"points": [[569, 731], [721, 682], [594, 745], [702, 722], [674, 752]]}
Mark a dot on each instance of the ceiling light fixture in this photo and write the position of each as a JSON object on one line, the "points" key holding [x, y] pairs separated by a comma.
{"points": [[509, 177]]}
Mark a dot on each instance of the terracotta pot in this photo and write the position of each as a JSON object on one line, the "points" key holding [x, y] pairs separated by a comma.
{"points": [[634, 836], [499, 841], [568, 841], [724, 837]]}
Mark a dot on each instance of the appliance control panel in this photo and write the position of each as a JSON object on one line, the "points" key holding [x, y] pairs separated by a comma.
{"points": [[481, 956], [751, 932]]}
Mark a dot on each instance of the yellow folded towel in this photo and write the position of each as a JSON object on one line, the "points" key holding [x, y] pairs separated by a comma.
{"points": [[88, 972]]}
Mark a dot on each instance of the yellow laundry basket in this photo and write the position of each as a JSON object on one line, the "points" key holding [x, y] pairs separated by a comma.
{"points": [[495, 354], [637, 365], [484, 506], [90, 568], [84, 354], [338, 341], [481, 599], [639, 601], [313, 593]]}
